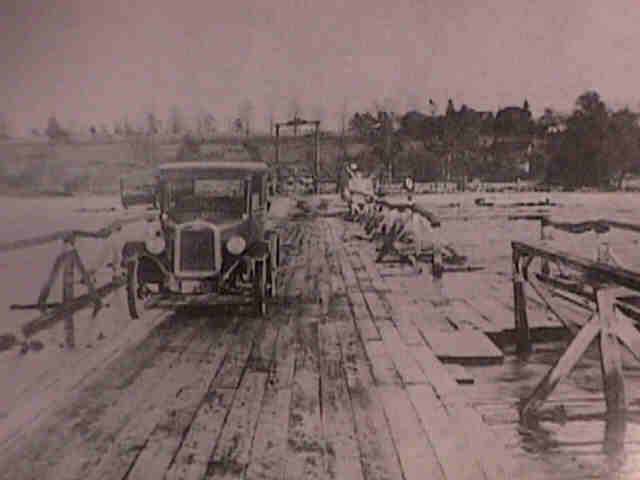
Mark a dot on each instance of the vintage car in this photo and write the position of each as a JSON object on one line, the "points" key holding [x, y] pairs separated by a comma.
{"points": [[209, 239]]}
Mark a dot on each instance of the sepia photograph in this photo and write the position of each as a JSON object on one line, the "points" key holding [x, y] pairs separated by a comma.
{"points": [[324, 240]]}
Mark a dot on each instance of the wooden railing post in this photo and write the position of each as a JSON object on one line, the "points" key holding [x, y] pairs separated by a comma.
{"points": [[610, 356], [523, 339], [544, 237], [67, 292]]}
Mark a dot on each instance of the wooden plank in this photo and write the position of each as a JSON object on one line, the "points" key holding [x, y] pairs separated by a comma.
{"points": [[494, 312], [342, 452], [417, 456], [268, 455], [379, 458], [628, 334], [133, 438], [366, 326], [123, 406], [605, 273], [406, 365], [465, 346], [231, 455], [192, 460], [376, 279], [406, 316], [305, 454], [237, 357], [49, 319], [435, 372], [610, 356], [379, 309], [496, 462], [348, 272], [523, 334], [361, 273], [382, 366], [188, 383], [464, 317], [460, 374], [564, 365], [447, 440], [181, 409]]}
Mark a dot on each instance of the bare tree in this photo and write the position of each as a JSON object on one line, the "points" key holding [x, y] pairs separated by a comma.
{"points": [[54, 131], [270, 118], [433, 108], [205, 124], [176, 123], [245, 115]]}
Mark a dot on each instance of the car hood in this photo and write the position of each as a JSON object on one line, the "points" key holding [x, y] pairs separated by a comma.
{"points": [[216, 218]]}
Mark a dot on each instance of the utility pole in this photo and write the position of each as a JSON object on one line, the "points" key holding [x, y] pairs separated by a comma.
{"points": [[295, 123]]}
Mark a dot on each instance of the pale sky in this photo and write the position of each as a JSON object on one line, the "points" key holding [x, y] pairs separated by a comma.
{"points": [[94, 61]]}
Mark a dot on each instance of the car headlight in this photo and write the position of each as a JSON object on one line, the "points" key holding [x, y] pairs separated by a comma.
{"points": [[155, 243], [236, 245]]}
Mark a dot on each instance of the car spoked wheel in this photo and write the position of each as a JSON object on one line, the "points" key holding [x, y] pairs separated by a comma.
{"points": [[137, 293], [260, 286]]}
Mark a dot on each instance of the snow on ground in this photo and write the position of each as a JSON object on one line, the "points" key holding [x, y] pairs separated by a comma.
{"points": [[482, 233], [25, 271]]}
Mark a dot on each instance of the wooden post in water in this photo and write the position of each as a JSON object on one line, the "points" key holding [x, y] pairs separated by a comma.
{"points": [[544, 236], [316, 157], [610, 357], [523, 339], [67, 292]]}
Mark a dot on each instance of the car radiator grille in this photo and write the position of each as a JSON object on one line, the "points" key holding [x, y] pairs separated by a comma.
{"points": [[196, 250]]}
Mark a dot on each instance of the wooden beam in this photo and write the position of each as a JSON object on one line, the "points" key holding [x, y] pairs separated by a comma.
{"points": [[610, 358], [628, 334], [602, 272], [538, 288], [51, 318], [67, 296], [61, 260], [520, 309], [66, 234], [563, 367]]}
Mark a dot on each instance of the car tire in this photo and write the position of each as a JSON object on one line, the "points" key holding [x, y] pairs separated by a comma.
{"points": [[260, 286], [134, 301]]}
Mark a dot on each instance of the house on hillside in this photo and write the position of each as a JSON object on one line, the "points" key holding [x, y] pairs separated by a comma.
{"points": [[514, 120]]}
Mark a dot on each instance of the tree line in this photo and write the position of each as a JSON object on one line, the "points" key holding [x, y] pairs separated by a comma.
{"points": [[593, 146]]}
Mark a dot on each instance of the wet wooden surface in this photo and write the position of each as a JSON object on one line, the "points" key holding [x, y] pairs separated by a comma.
{"points": [[347, 387]]}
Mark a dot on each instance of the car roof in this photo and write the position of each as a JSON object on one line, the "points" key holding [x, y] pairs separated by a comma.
{"points": [[214, 165]]}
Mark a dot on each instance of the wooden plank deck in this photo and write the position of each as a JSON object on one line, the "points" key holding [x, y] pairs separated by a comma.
{"points": [[350, 388]]}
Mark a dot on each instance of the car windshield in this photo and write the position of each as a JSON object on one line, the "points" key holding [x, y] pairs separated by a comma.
{"points": [[223, 195]]}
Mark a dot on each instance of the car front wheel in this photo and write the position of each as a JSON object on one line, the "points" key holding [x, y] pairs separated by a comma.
{"points": [[260, 286], [136, 291]]}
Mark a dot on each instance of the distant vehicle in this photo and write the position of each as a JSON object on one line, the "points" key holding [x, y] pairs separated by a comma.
{"points": [[210, 238]]}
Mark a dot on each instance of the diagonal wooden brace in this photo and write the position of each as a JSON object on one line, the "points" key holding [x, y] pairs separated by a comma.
{"points": [[563, 366], [46, 288], [88, 281]]}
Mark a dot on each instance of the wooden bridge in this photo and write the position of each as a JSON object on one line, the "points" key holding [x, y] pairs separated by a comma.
{"points": [[364, 370]]}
